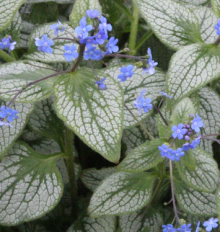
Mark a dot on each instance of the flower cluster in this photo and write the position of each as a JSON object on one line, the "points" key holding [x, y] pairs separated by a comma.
{"points": [[187, 132], [217, 27], [7, 115], [151, 64], [209, 225], [6, 43], [143, 104]]}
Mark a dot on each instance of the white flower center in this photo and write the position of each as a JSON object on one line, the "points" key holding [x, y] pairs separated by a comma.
{"points": [[127, 74], [178, 131], [5, 43], [45, 44], [104, 24], [195, 123], [69, 52], [98, 36], [84, 29]]}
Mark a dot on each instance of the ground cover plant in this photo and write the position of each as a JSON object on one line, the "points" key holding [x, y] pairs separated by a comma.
{"points": [[109, 115]]}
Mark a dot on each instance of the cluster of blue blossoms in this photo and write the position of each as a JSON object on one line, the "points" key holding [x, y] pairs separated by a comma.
{"points": [[6, 43], [7, 115], [209, 225]]}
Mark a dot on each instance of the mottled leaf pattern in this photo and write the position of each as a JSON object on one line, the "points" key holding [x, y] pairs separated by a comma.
{"points": [[193, 201], [174, 24], [34, 191], [132, 88], [205, 176], [191, 68], [8, 134], [121, 193], [95, 116], [216, 7], [142, 158], [41, 1], [17, 74], [80, 8], [92, 177]]}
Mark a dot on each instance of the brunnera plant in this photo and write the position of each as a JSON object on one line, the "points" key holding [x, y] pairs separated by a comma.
{"points": [[77, 87]]}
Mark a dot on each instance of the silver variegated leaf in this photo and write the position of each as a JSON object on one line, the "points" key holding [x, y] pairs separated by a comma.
{"points": [[80, 8], [31, 185], [209, 112], [92, 177], [191, 68], [132, 88], [137, 222], [16, 75], [205, 177], [216, 7], [8, 8], [42, 1], [121, 193], [143, 157], [29, 136], [177, 25], [95, 116], [193, 2], [193, 201], [8, 134]]}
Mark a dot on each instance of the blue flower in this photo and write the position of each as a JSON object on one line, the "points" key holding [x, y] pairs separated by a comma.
{"points": [[166, 95], [89, 41], [111, 45], [137, 101], [217, 27], [93, 13], [178, 131], [197, 123], [104, 26], [3, 123], [210, 224], [100, 84], [83, 29], [57, 27], [7, 44], [100, 37], [8, 113], [185, 228], [165, 151], [188, 146], [151, 64], [197, 228], [70, 53], [168, 228], [93, 54], [175, 155], [126, 72], [44, 44]]}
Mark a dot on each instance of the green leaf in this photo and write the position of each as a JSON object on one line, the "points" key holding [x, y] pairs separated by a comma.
{"points": [[216, 7], [137, 222], [209, 112], [177, 26], [8, 134], [218, 200], [8, 9], [189, 159], [182, 111], [132, 88], [16, 75], [194, 2], [31, 185], [193, 201], [121, 193], [58, 47], [95, 116], [79, 10], [195, 66], [136, 136], [205, 177], [85, 223], [142, 158], [92, 177]]}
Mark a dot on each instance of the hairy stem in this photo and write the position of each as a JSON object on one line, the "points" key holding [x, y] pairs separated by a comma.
{"points": [[161, 115], [80, 57], [172, 190], [6, 57], [141, 125]]}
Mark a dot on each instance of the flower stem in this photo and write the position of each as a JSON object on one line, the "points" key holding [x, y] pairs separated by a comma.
{"points": [[80, 57], [134, 27], [161, 115], [147, 35], [172, 190], [141, 125], [6, 57]]}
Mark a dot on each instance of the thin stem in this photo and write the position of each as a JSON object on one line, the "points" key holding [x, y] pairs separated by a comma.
{"points": [[79, 59], [164, 120], [11, 91], [209, 135], [145, 37], [34, 82], [134, 27], [215, 140], [119, 61], [217, 41], [6, 57], [70, 164], [142, 126], [172, 190]]}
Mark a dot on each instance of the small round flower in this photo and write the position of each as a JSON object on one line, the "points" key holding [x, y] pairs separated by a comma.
{"points": [[185, 228], [210, 224], [178, 131], [57, 27], [151, 64], [197, 123], [5, 43], [70, 52], [8, 113], [104, 26], [138, 100], [89, 41], [168, 228], [93, 13], [83, 29], [217, 27], [93, 54], [111, 45], [175, 155], [100, 37], [166, 95], [165, 151], [187, 138], [44, 44], [100, 84], [127, 71]]}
